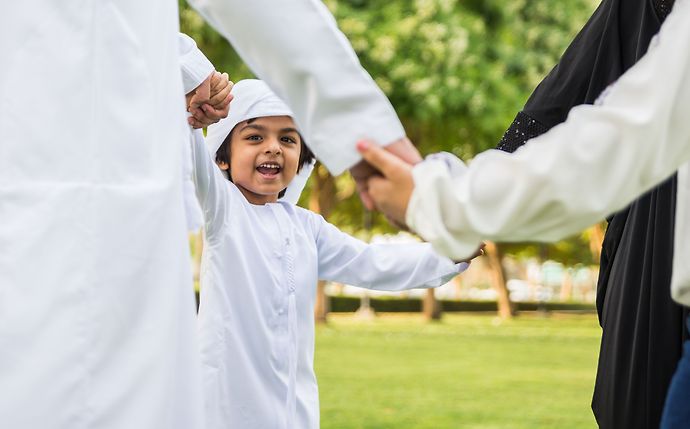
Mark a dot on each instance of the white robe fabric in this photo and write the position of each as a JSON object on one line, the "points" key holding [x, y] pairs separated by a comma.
{"points": [[259, 273], [97, 321], [195, 69], [96, 304], [593, 164]]}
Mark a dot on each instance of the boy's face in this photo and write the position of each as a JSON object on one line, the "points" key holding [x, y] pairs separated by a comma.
{"points": [[264, 156]]}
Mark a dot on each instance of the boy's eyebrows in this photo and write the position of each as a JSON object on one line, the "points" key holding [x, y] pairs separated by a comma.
{"points": [[255, 126], [262, 128]]}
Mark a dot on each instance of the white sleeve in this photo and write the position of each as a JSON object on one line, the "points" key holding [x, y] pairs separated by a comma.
{"points": [[296, 47], [211, 186], [192, 209], [593, 164], [194, 64], [380, 266]]}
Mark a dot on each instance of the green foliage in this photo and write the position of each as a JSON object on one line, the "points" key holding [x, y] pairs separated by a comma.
{"points": [[570, 251], [457, 72]]}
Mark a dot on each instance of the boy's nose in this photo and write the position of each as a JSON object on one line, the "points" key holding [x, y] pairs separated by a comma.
{"points": [[273, 146]]}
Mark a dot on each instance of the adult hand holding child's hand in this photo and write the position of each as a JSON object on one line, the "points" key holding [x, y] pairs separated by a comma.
{"points": [[403, 150], [210, 101], [389, 186]]}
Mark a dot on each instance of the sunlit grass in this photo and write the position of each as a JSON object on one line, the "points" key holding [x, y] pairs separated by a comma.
{"points": [[469, 371]]}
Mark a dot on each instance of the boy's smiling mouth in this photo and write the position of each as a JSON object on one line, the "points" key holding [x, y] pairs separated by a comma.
{"points": [[269, 169]]}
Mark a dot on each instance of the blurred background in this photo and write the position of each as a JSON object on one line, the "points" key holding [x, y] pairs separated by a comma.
{"points": [[512, 342]]}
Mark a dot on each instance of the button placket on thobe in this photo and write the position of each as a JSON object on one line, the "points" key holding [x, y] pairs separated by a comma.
{"points": [[289, 290]]}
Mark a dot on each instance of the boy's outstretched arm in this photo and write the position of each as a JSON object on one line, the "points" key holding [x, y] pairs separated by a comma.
{"points": [[381, 266]]}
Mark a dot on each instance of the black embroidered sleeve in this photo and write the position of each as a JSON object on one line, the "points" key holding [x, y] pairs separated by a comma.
{"points": [[523, 128], [663, 8]]}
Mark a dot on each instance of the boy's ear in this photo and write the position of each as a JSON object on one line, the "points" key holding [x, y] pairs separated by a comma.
{"points": [[223, 165]]}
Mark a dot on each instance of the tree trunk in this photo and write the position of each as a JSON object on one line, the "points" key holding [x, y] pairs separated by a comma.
{"points": [[365, 312], [457, 285], [322, 304], [431, 307], [322, 201], [567, 286], [596, 239], [498, 280], [198, 248]]}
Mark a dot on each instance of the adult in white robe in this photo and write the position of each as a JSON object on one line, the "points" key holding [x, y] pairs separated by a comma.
{"points": [[96, 305]]}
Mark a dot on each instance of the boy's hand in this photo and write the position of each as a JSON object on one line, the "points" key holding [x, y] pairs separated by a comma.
{"points": [[210, 101], [391, 187], [363, 170]]}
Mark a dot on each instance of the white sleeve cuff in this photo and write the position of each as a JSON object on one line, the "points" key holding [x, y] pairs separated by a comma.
{"points": [[431, 206]]}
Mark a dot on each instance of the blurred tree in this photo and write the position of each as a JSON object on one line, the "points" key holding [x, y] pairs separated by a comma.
{"points": [[431, 308], [495, 254]]}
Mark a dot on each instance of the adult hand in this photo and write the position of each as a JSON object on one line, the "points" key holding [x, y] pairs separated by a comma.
{"points": [[210, 101], [403, 149], [391, 188]]}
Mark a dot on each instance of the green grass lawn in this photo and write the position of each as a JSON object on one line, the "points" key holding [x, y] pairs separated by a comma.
{"points": [[468, 371]]}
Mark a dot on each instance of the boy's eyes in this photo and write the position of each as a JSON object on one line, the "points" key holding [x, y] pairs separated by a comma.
{"points": [[258, 138]]}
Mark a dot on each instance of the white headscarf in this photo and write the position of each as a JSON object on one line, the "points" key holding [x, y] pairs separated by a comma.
{"points": [[254, 99]]}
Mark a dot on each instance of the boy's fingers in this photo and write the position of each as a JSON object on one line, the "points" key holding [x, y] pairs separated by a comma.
{"points": [[213, 114], [377, 186], [199, 114], [224, 105], [194, 123], [218, 97], [375, 155], [363, 190]]}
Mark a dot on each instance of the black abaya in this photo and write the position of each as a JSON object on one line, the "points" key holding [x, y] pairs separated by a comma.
{"points": [[642, 328]]}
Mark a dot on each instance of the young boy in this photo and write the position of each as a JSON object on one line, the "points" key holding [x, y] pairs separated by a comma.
{"points": [[261, 263]]}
